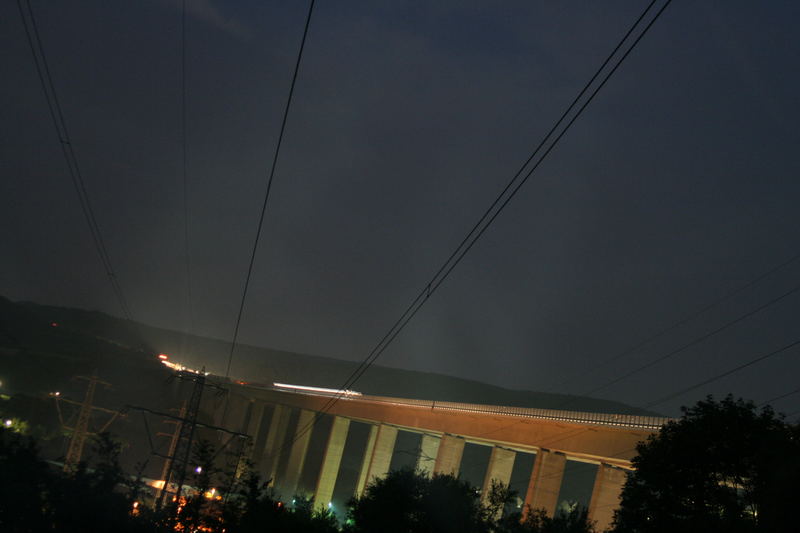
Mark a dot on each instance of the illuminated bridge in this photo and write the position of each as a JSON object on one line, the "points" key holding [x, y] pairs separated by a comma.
{"points": [[548, 456]]}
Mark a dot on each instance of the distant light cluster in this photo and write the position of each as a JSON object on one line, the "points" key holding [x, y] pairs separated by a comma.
{"points": [[164, 358]]}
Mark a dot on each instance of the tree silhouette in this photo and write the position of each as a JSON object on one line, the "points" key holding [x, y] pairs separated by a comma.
{"points": [[406, 501], [723, 466], [36, 497]]}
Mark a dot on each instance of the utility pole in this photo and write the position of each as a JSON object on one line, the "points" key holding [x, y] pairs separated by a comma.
{"points": [[174, 438], [80, 431], [177, 461], [183, 446]]}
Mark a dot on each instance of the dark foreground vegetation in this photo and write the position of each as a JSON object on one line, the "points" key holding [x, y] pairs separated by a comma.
{"points": [[724, 466], [35, 496]]}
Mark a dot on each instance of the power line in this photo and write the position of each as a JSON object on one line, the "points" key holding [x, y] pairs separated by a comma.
{"points": [[695, 341], [186, 247], [693, 387], [498, 205], [680, 392], [704, 337], [781, 397], [60, 125], [724, 374], [486, 218], [269, 187], [685, 320], [691, 343], [500, 202]]}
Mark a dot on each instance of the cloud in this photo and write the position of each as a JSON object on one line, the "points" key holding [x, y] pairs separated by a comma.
{"points": [[208, 12]]}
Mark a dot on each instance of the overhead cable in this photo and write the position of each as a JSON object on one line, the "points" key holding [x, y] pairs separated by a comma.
{"points": [[189, 325], [268, 189], [724, 374], [695, 341], [683, 321], [503, 199], [60, 125]]}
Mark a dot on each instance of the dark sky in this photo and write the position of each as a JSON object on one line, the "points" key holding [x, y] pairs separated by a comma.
{"points": [[678, 184]]}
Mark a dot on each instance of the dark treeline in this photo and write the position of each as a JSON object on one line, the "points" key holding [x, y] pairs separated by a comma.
{"points": [[97, 496], [724, 466]]}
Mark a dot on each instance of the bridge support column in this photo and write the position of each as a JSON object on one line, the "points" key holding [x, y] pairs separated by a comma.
{"points": [[428, 451], [244, 410], [297, 452], [545, 483], [366, 460], [254, 425], [381, 452], [501, 462], [331, 461], [606, 495], [271, 455], [448, 460], [233, 414]]}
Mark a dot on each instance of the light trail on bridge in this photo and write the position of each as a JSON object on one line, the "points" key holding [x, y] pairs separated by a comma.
{"points": [[577, 417]]}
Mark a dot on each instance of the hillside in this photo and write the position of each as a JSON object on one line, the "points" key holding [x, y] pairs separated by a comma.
{"points": [[119, 349]]}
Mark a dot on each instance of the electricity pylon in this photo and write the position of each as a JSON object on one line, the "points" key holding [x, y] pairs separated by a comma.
{"points": [[80, 431]]}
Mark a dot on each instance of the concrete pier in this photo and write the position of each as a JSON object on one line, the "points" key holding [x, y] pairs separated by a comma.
{"points": [[331, 461], [448, 460], [545, 483]]}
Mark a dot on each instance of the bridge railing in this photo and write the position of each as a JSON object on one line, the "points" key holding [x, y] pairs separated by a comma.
{"points": [[580, 417], [575, 417]]}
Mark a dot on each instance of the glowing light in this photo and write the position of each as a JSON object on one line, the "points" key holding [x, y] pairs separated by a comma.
{"points": [[8, 422], [181, 368], [53, 324], [173, 366], [199, 469], [163, 356], [330, 505], [315, 389]]}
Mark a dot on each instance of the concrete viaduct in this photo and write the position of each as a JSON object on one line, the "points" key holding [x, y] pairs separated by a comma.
{"points": [[334, 456]]}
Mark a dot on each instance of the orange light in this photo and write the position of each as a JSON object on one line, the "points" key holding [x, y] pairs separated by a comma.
{"points": [[163, 356]]}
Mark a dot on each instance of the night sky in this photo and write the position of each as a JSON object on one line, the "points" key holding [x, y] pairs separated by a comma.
{"points": [[676, 186]]}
